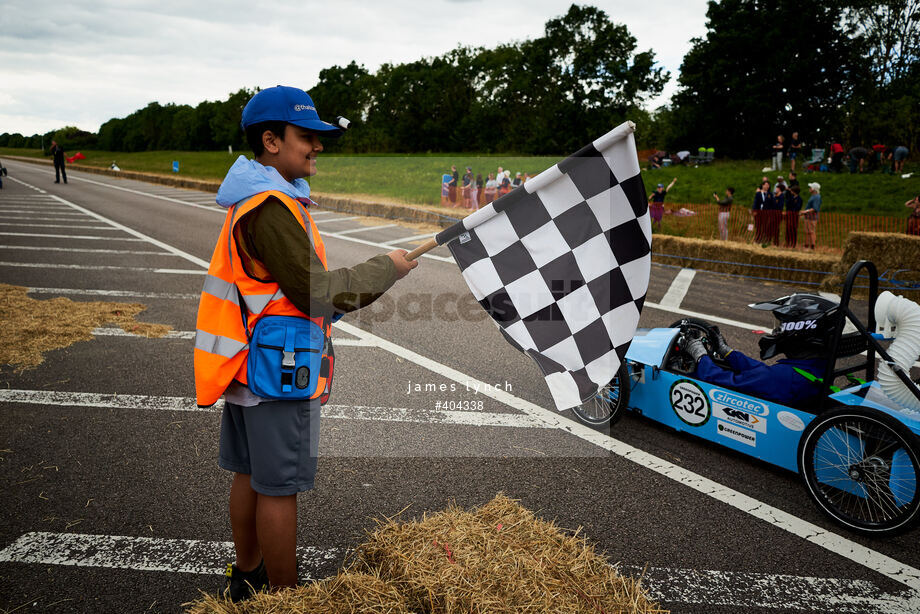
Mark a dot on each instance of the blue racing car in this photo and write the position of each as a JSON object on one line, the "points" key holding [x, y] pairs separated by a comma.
{"points": [[857, 448]]}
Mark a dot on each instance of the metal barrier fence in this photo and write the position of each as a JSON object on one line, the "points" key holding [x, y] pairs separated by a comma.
{"points": [[701, 222]]}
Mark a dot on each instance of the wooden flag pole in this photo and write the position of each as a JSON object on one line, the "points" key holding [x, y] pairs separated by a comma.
{"points": [[427, 246]]}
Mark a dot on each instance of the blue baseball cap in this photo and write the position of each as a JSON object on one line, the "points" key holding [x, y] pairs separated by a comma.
{"points": [[286, 104]]}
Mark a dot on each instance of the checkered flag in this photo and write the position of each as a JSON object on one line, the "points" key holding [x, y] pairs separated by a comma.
{"points": [[562, 264]]}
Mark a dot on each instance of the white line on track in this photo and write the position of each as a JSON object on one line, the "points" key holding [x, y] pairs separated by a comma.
{"points": [[139, 553], [336, 235], [20, 225], [74, 217], [190, 334], [55, 236], [671, 585], [426, 235], [775, 517], [335, 219], [336, 412], [126, 252], [102, 267], [365, 229], [139, 192], [678, 289], [123, 293]]}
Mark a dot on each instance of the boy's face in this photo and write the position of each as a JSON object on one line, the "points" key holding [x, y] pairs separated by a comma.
{"points": [[296, 155]]}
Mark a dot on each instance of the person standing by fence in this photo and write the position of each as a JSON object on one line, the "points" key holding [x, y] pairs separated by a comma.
{"points": [[452, 185], [793, 207], [778, 149], [775, 214], [656, 209], [759, 208], [811, 215], [725, 208], [913, 221], [57, 154], [491, 188]]}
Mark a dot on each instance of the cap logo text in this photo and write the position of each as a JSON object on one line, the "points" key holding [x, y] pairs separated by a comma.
{"points": [[303, 107]]}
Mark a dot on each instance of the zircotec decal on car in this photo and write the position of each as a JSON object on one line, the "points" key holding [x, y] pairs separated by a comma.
{"points": [[737, 433], [689, 402], [737, 401]]}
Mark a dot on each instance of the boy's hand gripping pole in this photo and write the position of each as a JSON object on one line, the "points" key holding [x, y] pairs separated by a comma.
{"points": [[427, 246]]}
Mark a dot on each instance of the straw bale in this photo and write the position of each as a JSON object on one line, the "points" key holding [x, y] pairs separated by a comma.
{"points": [[739, 259], [496, 558], [346, 593], [889, 252], [33, 327]]}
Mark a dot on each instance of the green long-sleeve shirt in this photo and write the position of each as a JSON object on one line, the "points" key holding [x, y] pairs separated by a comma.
{"points": [[279, 249]]}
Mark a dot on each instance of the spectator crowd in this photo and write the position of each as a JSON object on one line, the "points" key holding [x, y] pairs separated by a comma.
{"points": [[471, 192]]}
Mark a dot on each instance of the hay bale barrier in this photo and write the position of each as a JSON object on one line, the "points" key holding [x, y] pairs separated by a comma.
{"points": [[891, 253], [31, 327], [743, 259], [498, 558]]}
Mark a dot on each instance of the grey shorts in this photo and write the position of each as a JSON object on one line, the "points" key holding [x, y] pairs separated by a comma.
{"points": [[276, 443]]}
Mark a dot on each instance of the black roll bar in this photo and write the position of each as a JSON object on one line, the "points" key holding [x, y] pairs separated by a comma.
{"points": [[831, 372]]}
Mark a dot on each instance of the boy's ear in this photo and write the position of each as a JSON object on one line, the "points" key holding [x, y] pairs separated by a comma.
{"points": [[270, 142]]}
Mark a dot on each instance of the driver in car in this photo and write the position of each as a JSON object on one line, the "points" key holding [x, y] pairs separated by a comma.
{"points": [[803, 323]]}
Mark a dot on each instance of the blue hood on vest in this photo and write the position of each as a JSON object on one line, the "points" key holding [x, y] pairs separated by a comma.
{"points": [[246, 178]]}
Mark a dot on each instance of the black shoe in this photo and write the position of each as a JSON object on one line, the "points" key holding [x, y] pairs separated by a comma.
{"points": [[58, 181], [718, 342], [244, 584]]}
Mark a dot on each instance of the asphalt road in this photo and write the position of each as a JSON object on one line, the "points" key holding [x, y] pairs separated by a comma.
{"points": [[113, 501]]}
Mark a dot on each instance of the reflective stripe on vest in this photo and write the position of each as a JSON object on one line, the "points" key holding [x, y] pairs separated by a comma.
{"points": [[224, 325]]}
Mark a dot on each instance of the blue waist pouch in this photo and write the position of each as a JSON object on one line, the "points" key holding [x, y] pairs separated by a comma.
{"points": [[285, 355]]}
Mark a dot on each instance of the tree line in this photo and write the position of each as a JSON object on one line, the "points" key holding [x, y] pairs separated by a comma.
{"points": [[844, 70]]}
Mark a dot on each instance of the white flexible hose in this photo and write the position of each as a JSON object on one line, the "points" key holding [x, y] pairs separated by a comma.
{"points": [[904, 316]]}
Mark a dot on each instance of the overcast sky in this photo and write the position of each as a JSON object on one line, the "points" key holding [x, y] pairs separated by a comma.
{"points": [[82, 63]]}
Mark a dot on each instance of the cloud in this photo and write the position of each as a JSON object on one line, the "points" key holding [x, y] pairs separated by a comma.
{"points": [[84, 63]]}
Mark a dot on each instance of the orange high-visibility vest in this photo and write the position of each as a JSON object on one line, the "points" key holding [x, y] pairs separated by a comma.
{"points": [[224, 325]]}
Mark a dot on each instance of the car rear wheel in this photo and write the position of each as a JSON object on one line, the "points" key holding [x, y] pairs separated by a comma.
{"points": [[862, 468], [608, 405]]}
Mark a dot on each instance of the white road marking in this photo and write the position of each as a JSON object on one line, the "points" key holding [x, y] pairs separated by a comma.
{"points": [[126, 252], [670, 585], [190, 334], [20, 225], [106, 331], [775, 517], [28, 185], [139, 192], [336, 219], [315, 213], [141, 236], [336, 235], [332, 411], [102, 267], [141, 553], [54, 236], [679, 287], [365, 229], [426, 235], [120, 293], [745, 590], [74, 218]]}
